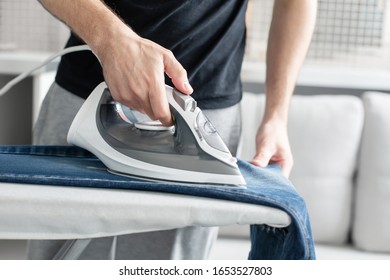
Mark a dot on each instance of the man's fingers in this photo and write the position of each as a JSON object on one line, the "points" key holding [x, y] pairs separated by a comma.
{"points": [[261, 158], [159, 102], [141, 85], [176, 72]]}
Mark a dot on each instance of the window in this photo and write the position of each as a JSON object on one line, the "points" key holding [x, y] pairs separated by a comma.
{"points": [[349, 33]]}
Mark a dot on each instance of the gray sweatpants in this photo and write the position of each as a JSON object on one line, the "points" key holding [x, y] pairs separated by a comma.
{"points": [[58, 110]]}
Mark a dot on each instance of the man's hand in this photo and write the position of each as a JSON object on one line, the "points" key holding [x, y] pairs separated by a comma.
{"points": [[272, 146], [134, 69]]}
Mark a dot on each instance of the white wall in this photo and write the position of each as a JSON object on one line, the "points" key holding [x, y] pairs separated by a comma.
{"points": [[26, 25]]}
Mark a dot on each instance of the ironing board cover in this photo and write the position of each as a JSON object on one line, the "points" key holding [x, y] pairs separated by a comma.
{"points": [[73, 166]]}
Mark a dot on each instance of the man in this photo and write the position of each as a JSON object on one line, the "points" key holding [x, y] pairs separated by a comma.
{"points": [[199, 45]]}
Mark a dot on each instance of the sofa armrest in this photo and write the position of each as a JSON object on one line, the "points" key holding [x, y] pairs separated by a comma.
{"points": [[371, 230]]}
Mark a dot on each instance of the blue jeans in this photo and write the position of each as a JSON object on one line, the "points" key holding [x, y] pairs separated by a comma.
{"points": [[72, 166]]}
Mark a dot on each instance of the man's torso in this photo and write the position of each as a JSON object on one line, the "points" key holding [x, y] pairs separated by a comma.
{"points": [[207, 37]]}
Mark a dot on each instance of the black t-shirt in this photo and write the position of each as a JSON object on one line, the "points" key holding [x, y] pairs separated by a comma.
{"points": [[206, 36]]}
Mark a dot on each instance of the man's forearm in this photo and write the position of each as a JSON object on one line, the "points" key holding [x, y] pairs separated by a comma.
{"points": [[91, 20], [133, 67], [289, 38]]}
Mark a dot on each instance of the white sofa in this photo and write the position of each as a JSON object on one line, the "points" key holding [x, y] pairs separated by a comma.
{"points": [[341, 147]]}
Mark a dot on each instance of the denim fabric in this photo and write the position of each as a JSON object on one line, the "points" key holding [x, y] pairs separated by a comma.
{"points": [[72, 166]]}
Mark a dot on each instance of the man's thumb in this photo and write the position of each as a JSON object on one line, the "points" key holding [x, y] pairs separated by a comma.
{"points": [[177, 73], [261, 159]]}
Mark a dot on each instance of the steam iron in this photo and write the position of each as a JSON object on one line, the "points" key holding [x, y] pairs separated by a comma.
{"points": [[130, 144]]}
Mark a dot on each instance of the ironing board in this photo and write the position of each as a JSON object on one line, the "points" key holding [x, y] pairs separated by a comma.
{"points": [[56, 193], [77, 213]]}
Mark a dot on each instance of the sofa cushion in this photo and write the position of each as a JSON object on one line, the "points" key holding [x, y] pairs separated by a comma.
{"points": [[371, 230], [324, 135]]}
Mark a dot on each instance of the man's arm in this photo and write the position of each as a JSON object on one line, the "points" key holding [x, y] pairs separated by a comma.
{"points": [[133, 67], [289, 38]]}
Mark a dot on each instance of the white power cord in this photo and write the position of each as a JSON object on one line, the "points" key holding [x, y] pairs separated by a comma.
{"points": [[23, 75]]}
